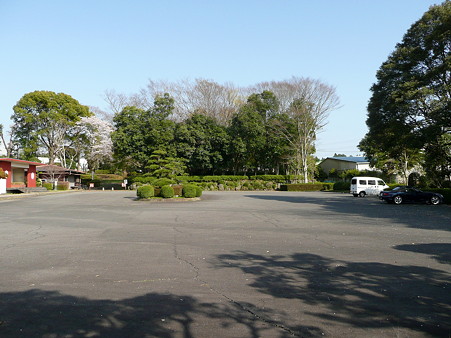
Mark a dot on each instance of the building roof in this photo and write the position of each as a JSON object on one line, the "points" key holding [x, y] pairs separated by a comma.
{"points": [[56, 168], [14, 160], [355, 159]]}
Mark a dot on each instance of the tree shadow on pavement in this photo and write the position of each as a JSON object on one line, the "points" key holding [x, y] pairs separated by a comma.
{"points": [[439, 251], [358, 294], [421, 216], [39, 313]]}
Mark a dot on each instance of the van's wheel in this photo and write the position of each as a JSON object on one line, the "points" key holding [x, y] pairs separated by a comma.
{"points": [[397, 200], [362, 194], [434, 200]]}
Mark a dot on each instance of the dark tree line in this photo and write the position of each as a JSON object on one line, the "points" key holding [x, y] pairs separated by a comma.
{"points": [[260, 137], [212, 128]]}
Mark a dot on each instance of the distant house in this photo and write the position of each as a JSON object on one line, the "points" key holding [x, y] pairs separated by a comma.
{"points": [[21, 174], [54, 173], [345, 163]]}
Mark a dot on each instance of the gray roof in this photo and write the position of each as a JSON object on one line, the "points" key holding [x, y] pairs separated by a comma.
{"points": [[356, 159]]}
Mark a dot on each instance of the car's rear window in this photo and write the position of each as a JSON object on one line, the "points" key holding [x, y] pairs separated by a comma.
{"points": [[362, 182]]}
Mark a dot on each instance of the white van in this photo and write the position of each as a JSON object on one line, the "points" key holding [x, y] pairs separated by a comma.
{"points": [[361, 186]]}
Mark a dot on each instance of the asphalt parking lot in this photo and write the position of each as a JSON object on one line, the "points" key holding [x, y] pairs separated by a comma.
{"points": [[234, 264]]}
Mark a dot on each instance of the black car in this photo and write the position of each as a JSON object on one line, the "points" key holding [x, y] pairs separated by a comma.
{"points": [[410, 195]]}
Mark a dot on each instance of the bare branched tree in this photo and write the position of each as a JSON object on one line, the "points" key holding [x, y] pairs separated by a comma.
{"points": [[305, 106], [201, 96], [8, 145], [323, 96]]}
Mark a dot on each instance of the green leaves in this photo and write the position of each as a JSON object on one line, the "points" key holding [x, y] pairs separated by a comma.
{"points": [[163, 166], [140, 132], [411, 102], [43, 120]]}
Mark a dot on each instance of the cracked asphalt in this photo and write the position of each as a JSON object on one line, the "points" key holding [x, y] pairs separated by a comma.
{"points": [[234, 264]]}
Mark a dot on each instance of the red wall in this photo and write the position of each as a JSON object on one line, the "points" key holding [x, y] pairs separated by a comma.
{"points": [[6, 166], [31, 176]]}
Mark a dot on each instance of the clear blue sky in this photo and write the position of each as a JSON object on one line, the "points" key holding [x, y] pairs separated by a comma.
{"points": [[83, 48]]}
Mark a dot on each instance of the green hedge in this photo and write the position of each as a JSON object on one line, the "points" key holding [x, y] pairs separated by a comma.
{"points": [[167, 191], [223, 178], [144, 179], [327, 186], [102, 172], [162, 182], [48, 185], [189, 191], [302, 187], [198, 191], [342, 186], [189, 178], [63, 186], [146, 191]]}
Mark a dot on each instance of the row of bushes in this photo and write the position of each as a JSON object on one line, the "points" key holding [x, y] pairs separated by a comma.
{"points": [[168, 191], [60, 185], [223, 178], [308, 187]]}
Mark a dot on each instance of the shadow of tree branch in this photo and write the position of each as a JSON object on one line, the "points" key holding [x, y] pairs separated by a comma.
{"points": [[361, 294], [39, 313], [432, 217]]}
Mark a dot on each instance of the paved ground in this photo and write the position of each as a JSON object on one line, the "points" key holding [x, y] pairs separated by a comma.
{"points": [[236, 264]]}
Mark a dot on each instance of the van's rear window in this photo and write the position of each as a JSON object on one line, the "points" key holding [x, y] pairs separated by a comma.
{"points": [[371, 182], [354, 181], [362, 182]]}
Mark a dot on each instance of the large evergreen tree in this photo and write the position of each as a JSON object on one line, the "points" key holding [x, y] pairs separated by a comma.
{"points": [[138, 133], [409, 111], [203, 143], [43, 123]]}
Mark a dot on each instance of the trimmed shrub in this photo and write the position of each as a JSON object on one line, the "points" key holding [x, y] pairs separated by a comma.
{"points": [[188, 178], [327, 186], [110, 177], [341, 186], [302, 187], [145, 191], [167, 191], [144, 179], [47, 185], [198, 191], [62, 185], [162, 182], [102, 172], [189, 191], [273, 178]]}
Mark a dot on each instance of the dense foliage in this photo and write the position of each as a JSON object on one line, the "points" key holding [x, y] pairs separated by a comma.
{"points": [[146, 191], [409, 116], [167, 191], [44, 120], [204, 129], [260, 138]]}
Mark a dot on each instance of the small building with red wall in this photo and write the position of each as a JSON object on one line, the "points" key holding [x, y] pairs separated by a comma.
{"points": [[21, 174]]}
